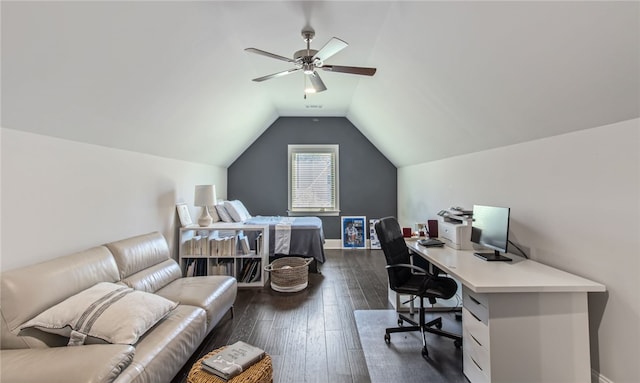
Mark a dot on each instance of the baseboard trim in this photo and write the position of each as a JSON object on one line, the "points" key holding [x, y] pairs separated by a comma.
{"points": [[597, 377], [332, 244], [337, 244]]}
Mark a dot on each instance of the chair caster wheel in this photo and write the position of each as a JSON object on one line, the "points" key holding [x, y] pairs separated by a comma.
{"points": [[400, 322], [425, 353], [457, 343], [387, 338]]}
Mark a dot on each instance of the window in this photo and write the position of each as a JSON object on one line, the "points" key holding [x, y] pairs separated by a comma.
{"points": [[313, 180]]}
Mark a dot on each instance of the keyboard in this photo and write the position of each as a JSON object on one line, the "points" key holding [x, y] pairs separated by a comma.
{"points": [[430, 242]]}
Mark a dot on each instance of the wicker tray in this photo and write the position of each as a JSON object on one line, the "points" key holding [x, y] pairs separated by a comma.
{"points": [[289, 274], [260, 372]]}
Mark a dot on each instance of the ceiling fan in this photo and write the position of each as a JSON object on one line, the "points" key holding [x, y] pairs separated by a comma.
{"points": [[308, 60]]}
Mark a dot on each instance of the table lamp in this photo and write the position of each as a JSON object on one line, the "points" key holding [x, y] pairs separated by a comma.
{"points": [[205, 196]]}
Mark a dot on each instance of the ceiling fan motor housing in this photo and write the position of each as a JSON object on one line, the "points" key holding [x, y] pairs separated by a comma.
{"points": [[305, 57], [308, 60]]}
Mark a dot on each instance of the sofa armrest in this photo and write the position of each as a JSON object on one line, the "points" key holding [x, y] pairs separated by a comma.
{"points": [[90, 363]]}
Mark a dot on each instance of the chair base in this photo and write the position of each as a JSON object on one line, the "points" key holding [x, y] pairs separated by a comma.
{"points": [[423, 327]]}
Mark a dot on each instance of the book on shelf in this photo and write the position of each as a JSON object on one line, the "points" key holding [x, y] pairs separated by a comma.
{"points": [[233, 360], [222, 268], [246, 266], [222, 246], [198, 245], [255, 273], [232, 245], [244, 244], [190, 267], [247, 277], [195, 267], [259, 244], [204, 245], [217, 247], [201, 267], [250, 271]]}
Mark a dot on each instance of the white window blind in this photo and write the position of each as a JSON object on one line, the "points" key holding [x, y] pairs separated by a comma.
{"points": [[313, 179]]}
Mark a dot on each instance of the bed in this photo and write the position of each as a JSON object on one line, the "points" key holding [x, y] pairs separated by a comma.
{"points": [[300, 236], [295, 236]]}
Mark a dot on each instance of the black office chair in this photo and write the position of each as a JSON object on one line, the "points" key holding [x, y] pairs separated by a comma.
{"points": [[403, 280]]}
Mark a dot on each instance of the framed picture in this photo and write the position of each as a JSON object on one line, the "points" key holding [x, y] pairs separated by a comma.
{"points": [[354, 232], [373, 236], [183, 214]]}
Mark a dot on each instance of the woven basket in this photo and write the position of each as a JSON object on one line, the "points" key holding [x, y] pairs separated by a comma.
{"points": [[289, 274]]}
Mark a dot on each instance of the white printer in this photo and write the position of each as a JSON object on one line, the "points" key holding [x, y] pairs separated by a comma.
{"points": [[454, 228]]}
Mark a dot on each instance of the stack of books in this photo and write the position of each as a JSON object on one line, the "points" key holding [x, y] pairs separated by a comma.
{"points": [[250, 271], [234, 359]]}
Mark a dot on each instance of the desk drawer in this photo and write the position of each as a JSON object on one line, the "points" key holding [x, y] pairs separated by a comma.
{"points": [[475, 328], [477, 304], [472, 371], [477, 352], [481, 298]]}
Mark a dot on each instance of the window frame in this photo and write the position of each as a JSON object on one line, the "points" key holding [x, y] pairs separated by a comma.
{"points": [[314, 148]]}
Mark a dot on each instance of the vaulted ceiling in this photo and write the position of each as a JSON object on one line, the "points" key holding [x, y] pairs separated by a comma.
{"points": [[172, 78]]}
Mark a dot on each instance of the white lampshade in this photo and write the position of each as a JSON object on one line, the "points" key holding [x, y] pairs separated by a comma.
{"points": [[205, 195]]}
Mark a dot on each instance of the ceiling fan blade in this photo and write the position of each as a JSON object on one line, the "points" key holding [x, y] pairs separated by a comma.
{"points": [[350, 69], [274, 75], [316, 82], [332, 47], [268, 54]]}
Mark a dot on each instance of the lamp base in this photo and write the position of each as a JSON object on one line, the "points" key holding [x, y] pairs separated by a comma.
{"points": [[205, 219]]}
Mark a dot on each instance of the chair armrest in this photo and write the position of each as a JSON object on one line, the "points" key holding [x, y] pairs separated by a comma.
{"points": [[412, 267], [90, 363]]}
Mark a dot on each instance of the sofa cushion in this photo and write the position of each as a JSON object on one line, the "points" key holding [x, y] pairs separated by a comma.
{"points": [[154, 277], [90, 364], [215, 294], [45, 284], [138, 253], [163, 351], [107, 312]]}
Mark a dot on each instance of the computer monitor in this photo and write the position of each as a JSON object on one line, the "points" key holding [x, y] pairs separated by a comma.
{"points": [[490, 228]]}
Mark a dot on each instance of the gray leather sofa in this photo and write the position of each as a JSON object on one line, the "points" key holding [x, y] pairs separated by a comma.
{"points": [[142, 263]]}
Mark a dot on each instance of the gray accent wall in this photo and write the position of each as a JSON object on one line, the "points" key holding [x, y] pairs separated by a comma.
{"points": [[368, 180]]}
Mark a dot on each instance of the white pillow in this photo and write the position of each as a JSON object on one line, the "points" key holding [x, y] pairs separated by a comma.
{"points": [[223, 214], [244, 212], [237, 211], [107, 311], [213, 212]]}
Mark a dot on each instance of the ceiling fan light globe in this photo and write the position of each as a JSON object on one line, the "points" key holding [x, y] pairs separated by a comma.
{"points": [[308, 68]]}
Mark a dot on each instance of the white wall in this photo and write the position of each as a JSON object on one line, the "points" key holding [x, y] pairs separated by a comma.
{"points": [[62, 196], [575, 205]]}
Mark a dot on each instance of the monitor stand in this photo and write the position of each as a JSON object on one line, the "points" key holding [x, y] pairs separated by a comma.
{"points": [[495, 256]]}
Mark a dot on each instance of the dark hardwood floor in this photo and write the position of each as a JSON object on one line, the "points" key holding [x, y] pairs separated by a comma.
{"points": [[310, 335]]}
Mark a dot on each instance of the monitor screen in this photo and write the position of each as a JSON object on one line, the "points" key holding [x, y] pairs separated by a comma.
{"points": [[490, 227]]}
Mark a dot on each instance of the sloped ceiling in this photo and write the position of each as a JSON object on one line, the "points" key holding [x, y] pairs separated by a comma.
{"points": [[172, 78]]}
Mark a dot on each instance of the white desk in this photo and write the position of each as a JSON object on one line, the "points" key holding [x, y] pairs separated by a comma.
{"points": [[522, 321]]}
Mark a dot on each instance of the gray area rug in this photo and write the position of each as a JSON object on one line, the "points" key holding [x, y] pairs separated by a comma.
{"points": [[401, 361]]}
